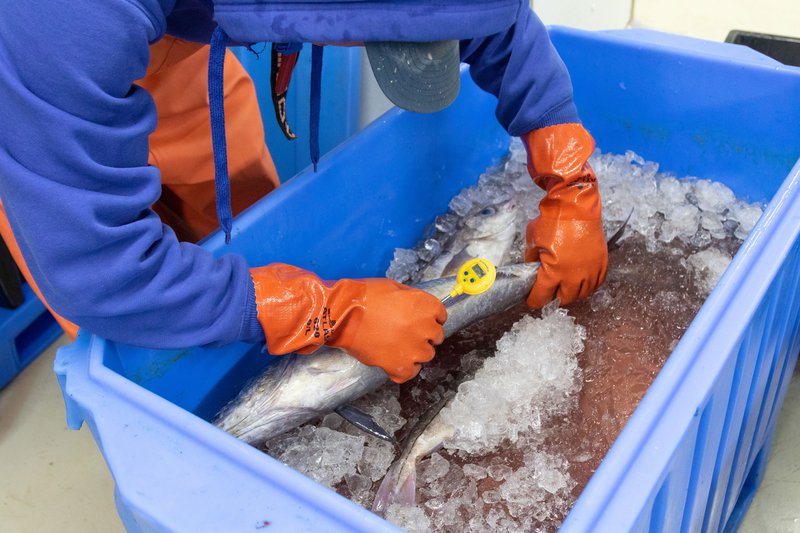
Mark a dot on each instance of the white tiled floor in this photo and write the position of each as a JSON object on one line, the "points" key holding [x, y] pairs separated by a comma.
{"points": [[776, 507], [51, 478], [54, 479]]}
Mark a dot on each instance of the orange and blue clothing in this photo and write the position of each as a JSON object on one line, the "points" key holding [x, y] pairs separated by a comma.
{"points": [[106, 160]]}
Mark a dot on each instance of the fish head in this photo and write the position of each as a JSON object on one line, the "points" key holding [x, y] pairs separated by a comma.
{"points": [[491, 220]]}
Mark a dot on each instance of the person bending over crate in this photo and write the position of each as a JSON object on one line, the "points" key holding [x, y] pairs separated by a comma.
{"points": [[114, 161]]}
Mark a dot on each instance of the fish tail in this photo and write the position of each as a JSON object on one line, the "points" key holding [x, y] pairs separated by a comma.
{"points": [[394, 490]]}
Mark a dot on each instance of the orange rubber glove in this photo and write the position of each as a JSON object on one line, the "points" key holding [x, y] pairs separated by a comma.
{"points": [[378, 321], [568, 236]]}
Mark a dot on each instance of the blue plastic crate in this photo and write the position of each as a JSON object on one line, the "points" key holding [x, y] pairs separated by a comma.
{"points": [[694, 450], [24, 333]]}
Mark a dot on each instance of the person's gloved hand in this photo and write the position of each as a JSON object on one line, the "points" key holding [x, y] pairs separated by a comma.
{"points": [[378, 321], [567, 237]]}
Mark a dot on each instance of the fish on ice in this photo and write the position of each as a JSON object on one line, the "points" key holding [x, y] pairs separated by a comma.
{"points": [[297, 389]]}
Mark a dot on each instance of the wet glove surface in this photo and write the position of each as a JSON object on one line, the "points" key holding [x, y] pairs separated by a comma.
{"points": [[567, 237], [378, 321]]}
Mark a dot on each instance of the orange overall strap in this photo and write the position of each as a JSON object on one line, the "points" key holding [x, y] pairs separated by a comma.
{"points": [[181, 144]]}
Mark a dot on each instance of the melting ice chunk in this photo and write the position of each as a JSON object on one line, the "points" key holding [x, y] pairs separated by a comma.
{"points": [[322, 453], [707, 267], [535, 367], [403, 266], [412, 519]]}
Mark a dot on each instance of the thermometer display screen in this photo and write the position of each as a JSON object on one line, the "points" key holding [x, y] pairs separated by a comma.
{"points": [[478, 271]]}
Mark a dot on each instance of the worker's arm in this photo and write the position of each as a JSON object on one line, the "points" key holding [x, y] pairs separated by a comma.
{"points": [[77, 188], [523, 70], [521, 67]]}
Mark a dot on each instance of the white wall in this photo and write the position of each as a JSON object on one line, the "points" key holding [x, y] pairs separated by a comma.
{"points": [[706, 19], [373, 102], [713, 19], [585, 14]]}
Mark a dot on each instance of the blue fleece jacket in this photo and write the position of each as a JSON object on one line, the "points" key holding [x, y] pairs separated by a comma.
{"points": [[74, 177]]}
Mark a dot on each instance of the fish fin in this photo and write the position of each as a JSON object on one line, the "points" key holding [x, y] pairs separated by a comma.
{"points": [[612, 243], [435, 268], [393, 490], [385, 492], [407, 494], [364, 422], [459, 259]]}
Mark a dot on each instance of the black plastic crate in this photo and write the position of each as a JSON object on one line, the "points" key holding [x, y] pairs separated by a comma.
{"points": [[778, 47]]}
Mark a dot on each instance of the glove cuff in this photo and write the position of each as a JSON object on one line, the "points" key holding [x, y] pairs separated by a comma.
{"points": [[558, 154], [251, 331], [300, 312]]}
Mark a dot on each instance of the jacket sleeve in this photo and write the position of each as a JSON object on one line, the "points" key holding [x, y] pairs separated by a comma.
{"points": [[77, 188], [523, 70]]}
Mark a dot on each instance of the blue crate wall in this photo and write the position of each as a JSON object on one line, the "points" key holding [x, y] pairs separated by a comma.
{"points": [[25, 332], [777, 358], [643, 94]]}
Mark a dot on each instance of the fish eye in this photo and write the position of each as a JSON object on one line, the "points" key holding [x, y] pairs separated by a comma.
{"points": [[486, 211]]}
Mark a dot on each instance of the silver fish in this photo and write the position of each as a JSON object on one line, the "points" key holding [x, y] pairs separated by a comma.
{"points": [[297, 389], [489, 234]]}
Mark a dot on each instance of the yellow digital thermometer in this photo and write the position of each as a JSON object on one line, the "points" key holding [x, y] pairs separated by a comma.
{"points": [[473, 277]]}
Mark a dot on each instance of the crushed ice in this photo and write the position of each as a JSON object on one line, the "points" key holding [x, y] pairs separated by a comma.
{"points": [[707, 267], [336, 452], [695, 211], [534, 374]]}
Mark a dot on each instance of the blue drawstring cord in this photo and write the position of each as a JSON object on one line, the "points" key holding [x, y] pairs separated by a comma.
{"points": [[216, 104], [316, 95]]}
